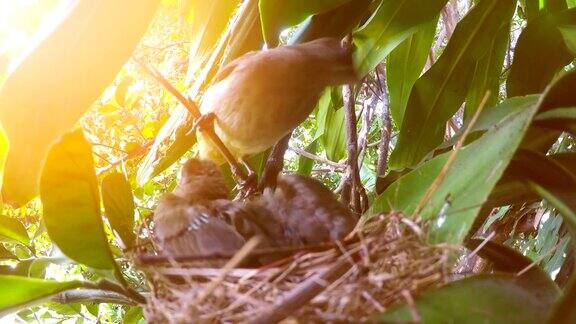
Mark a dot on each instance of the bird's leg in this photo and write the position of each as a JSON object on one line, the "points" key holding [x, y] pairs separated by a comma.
{"points": [[274, 164], [250, 186], [205, 124]]}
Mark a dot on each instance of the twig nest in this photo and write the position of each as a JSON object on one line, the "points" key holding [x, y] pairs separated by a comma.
{"points": [[386, 263]]}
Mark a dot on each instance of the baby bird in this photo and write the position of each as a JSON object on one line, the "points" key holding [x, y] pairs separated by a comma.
{"points": [[300, 211], [189, 221], [260, 97]]}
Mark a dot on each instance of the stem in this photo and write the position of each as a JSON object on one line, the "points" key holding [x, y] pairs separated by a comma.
{"points": [[358, 198], [384, 146], [92, 296], [316, 158]]}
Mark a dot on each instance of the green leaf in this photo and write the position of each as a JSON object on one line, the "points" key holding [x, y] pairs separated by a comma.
{"points": [[331, 124], [19, 292], [486, 298], [6, 255], [438, 94], [557, 184], [120, 94], [530, 72], [209, 21], [493, 115], [487, 74], [562, 119], [276, 15], [337, 22], [119, 206], [12, 229], [569, 34], [559, 95], [404, 66], [550, 179], [71, 202], [461, 191], [156, 162], [393, 22], [38, 104], [133, 315], [305, 164], [565, 310]]}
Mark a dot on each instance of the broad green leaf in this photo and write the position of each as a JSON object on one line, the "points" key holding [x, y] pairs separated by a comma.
{"points": [[404, 66], [563, 119], [20, 292], [331, 124], [393, 22], [6, 255], [119, 206], [209, 21], [71, 202], [559, 95], [535, 8], [486, 298], [439, 93], [134, 315], [550, 179], [277, 15], [337, 22], [36, 267], [157, 161], [565, 310], [121, 90], [569, 34], [462, 191], [512, 189], [12, 229], [487, 74], [493, 115], [48, 92], [540, 53], [305, 164], [557, 184]]}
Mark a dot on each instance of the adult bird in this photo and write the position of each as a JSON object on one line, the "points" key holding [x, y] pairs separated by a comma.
{"points": [[260, 97], [190, 220]]}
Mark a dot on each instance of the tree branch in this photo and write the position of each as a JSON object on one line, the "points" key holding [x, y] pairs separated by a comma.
{"points": [[92, 296], [316, 158], [353, 189], [384, 146]]}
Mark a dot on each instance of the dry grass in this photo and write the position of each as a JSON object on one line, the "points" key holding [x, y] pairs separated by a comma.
{"points": [[387, 262]]}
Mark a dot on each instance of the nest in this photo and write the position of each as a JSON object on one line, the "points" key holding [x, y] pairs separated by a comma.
{"points": [[386, 263]]}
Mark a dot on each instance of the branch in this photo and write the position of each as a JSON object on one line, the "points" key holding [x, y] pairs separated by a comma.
{"points": [[353, 190], [384, 146], [92, 296], [316, 158], [305, 292], [150, 259]]}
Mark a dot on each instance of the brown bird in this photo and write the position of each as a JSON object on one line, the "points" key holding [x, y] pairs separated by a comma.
{"points": [[300, 211], [190, 220], [260, 97]]}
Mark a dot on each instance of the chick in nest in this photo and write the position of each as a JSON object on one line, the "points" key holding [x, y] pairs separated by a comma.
{"points": [[190, 220], [260, 97], [300, 211]]}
